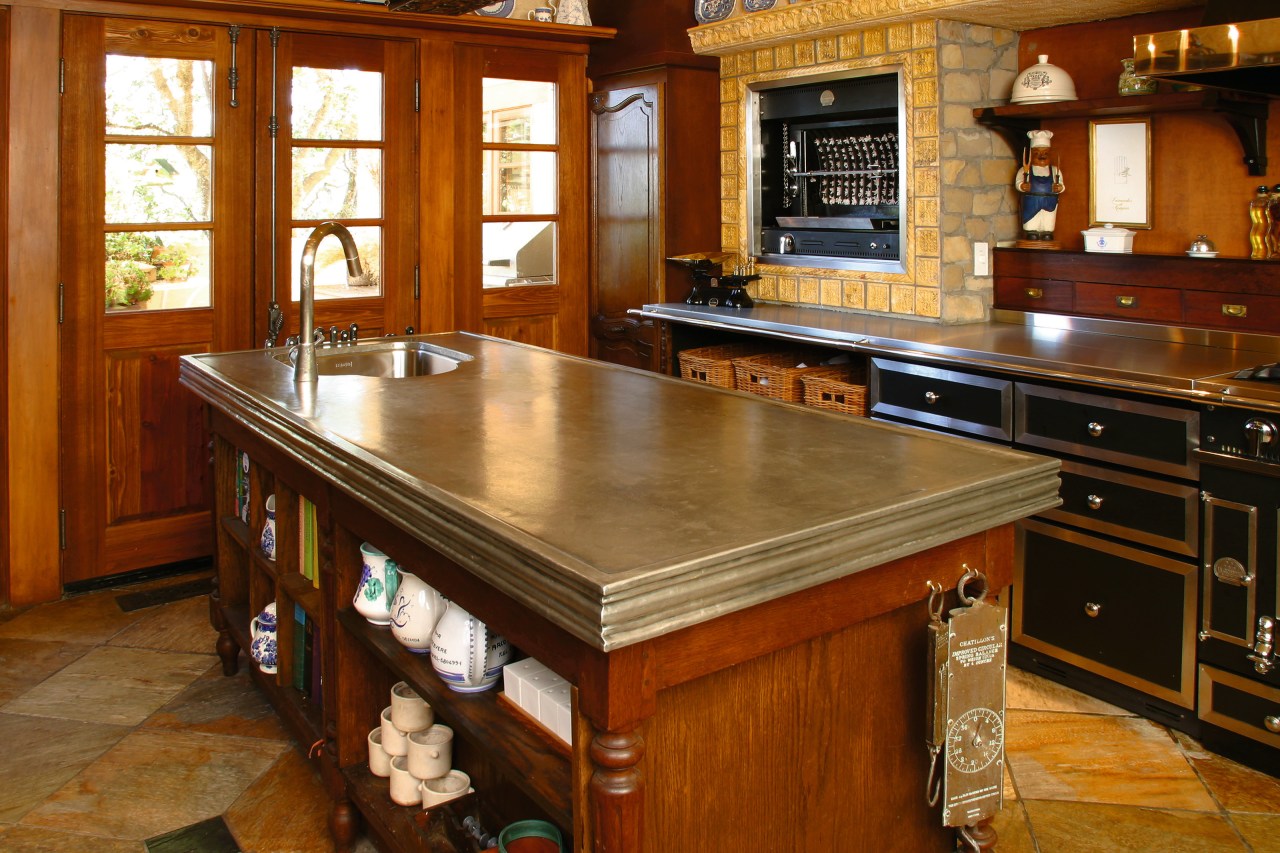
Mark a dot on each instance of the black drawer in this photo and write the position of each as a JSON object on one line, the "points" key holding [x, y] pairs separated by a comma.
{"points": [[1141, 435], [949, 399], [1240, 705], [1116, 611], [1129, 506]]}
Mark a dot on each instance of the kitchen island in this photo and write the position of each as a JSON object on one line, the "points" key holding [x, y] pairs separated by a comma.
{"points": [[733, 587]]}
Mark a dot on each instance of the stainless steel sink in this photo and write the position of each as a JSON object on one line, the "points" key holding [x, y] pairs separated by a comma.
{"points": [[384, 359]]}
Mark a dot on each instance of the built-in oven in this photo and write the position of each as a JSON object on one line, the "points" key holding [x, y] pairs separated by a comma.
{"points": [[1239, 668], [827, 184]]}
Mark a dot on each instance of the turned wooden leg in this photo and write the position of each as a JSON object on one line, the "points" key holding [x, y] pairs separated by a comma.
{"points": [[344, 823], [226, 646], [617, 791]]}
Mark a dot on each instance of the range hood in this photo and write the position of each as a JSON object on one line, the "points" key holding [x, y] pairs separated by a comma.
{"points": [[1237, 47]]}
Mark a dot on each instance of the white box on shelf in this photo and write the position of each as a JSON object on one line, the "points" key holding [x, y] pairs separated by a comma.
{"points": [[555, 710], [532, 687], [515, 674]]}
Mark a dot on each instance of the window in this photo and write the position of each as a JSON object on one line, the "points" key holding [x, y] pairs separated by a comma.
{"points": [[521, 164], [337, 161], [159, 182]]}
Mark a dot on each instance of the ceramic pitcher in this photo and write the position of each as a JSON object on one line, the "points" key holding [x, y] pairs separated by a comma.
{"points": [[263, 630], [379, 581], [573, 12], [466, 654], [268, 542], [414, 613]]}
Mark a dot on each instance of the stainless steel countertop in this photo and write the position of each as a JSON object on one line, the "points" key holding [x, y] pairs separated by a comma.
{"points": [[619, 503], [1045, 348]]}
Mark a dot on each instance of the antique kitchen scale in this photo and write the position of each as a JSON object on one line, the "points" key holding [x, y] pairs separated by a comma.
{"points": [[965, 725], [711, 286]]}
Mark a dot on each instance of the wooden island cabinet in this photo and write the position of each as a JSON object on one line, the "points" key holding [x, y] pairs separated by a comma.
{"points": [[743, 629]]}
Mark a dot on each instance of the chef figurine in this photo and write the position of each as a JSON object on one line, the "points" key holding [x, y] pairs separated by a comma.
{"points": [[1039, 182]]}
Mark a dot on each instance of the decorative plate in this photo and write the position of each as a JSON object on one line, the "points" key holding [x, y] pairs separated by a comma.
{"points": [[709, 11], [757, 5], [497, 10]]}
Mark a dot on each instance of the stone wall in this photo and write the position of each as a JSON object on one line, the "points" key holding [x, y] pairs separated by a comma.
{"points": [[976, 65], [959, 176]]}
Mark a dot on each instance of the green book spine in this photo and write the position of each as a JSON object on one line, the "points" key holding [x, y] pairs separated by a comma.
{"points": [[301, 628]]}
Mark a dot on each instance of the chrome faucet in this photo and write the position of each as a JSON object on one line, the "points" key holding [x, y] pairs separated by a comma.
{"points": [[304, 367]]}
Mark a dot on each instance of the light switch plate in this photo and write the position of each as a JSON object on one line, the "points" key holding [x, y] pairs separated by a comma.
{"points": [[981, 259]]}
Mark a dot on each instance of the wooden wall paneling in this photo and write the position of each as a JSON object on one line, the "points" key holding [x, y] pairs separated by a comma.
{"points": [[1200, 183], [574, 206], [465, 234], [4, 303], [438, 155], [649, 35], [84, 416]]}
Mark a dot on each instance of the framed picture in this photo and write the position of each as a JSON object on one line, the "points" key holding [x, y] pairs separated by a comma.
{"points": [[1120, 172]]}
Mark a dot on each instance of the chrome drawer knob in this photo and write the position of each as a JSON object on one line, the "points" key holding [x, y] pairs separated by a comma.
{"points": [[930, 397], [1272, 723], [1094, 501], [1095, 428], [1092, 610]]}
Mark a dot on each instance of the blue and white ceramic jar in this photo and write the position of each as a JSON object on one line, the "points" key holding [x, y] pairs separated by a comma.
{"points": [[264, 648]]}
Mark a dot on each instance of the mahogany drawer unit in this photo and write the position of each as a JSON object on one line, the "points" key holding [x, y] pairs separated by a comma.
{"points": [[1151, 436], [1123, 302], [948, 399], [1246, 312], [1240, 705], [1125, 614], [1033, 294], [1132, 507]]}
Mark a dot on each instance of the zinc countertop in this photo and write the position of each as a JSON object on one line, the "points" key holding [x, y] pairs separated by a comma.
{"points": [[1181, 363], [618, 503]]}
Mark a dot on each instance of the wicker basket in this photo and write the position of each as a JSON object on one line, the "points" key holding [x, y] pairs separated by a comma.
{"points": [[775, 374], [713, 365], [842, 391]]}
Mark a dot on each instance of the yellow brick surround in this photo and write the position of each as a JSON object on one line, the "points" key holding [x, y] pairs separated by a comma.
{"points": [[912, 47]]}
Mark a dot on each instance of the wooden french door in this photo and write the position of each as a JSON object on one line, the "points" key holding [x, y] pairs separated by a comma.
{"points": [[344, 151], [522, 231], [169, 221], [154, 220]]}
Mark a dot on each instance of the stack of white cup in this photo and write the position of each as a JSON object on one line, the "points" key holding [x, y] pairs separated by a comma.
{"points": [[415, 752]]}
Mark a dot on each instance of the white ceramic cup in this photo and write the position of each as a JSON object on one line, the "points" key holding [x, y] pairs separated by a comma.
{"points": [[394, 741], [442, 789], [431, 752], [379, 761], [545, 14], [405, 789], [409, 711]]}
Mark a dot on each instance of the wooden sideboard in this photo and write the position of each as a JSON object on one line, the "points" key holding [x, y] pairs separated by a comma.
{"points": [[1231, 294]]}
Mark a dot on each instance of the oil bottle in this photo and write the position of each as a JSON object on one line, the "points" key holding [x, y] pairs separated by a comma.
{"points": [[1258, 209], [1273, 224]]}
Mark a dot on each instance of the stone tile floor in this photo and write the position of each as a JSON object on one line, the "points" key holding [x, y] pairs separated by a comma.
{"points": [[117, 727]]}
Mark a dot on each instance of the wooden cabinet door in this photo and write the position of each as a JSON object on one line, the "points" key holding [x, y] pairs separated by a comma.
{"points": [[154, 227], [627, 221]]}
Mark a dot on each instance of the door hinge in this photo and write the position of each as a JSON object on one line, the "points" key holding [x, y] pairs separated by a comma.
{"points": [[62, 76], [61, 304], [62, 529], [417, 96], [417, 290]]}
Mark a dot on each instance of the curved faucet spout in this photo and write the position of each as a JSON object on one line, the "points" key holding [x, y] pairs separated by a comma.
{"points": [[304, 368]]}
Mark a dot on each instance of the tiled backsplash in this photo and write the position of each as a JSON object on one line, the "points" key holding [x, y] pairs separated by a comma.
{"points": [[960, 177]]}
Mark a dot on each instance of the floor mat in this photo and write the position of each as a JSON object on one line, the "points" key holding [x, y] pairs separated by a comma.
{"points": [[165, 594], [207, 836]]}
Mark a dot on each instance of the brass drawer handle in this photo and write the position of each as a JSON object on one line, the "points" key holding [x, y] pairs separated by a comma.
{"points": [[1273, 724], [1092, 610], [1095, 429], [1235, 310], [1033, 293], [1127, 301], [1094, 501], [930, 397]]}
